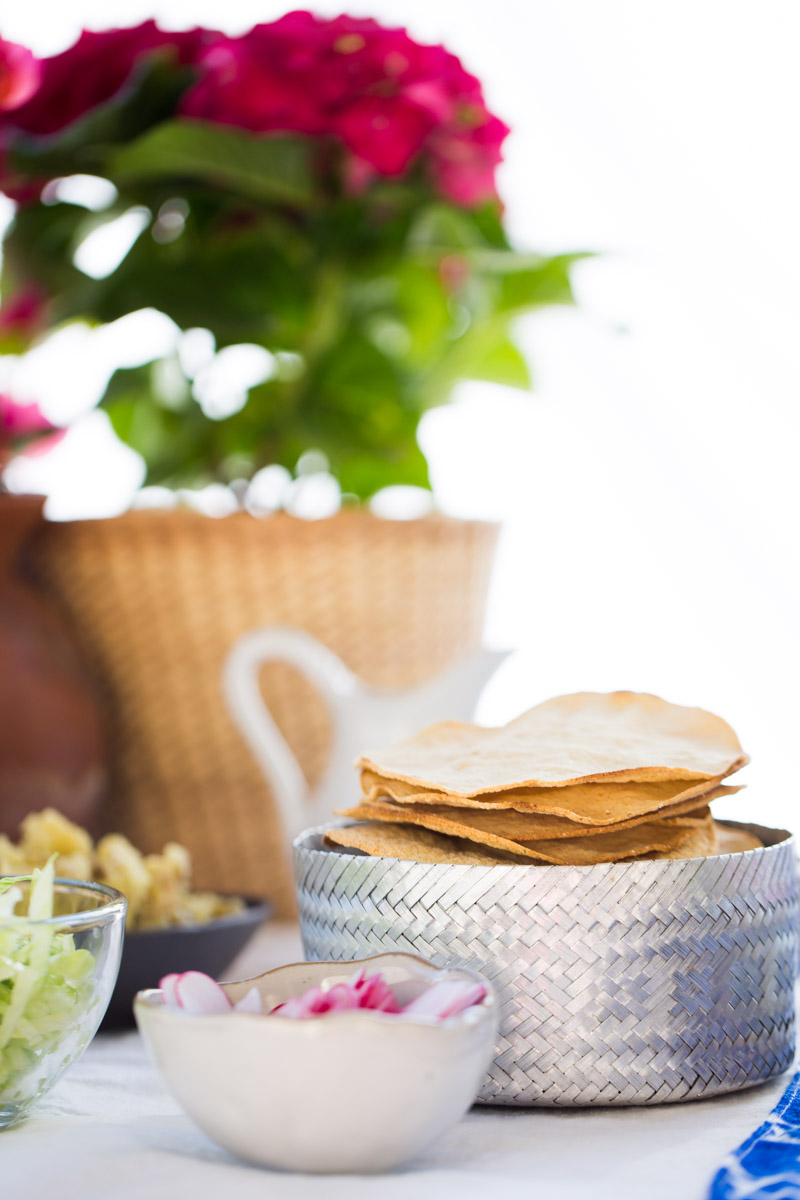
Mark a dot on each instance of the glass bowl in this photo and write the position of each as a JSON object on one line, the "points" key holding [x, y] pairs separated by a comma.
{"points": [[56, 978]]}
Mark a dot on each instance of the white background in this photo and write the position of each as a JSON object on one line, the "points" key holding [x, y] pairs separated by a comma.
{"points": [[649, 487]]}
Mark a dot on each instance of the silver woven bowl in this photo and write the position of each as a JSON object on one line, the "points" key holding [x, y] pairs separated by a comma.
{"points": [[621, 983]]}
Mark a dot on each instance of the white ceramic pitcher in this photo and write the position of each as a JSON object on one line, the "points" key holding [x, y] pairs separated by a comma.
{"points": [[362, 717]]}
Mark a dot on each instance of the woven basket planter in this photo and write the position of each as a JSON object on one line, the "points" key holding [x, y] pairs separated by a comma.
{"points": [[157, 599]]}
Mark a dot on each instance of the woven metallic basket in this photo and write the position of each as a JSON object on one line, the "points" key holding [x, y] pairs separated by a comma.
{"points": [[621, 983]]}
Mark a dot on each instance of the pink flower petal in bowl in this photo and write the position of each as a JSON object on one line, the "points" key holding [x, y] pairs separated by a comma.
{"points": [[250, 1002], [339, 998], [313, 1003], [200, 994], [374, 992], [360, 991], [445, 999], [299, 1007], [167, 985]]}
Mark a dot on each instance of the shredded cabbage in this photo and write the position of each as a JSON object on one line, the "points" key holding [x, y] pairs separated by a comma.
{"points": [[46, 985]]}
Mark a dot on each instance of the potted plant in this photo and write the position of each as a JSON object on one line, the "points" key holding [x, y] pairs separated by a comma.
{"points": [[324, 191]]}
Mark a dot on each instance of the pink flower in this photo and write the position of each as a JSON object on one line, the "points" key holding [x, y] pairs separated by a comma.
{"points": [[465, 161], [94, 69], [386, 132], [23, 315], [24, 429], [21, 188], [19, 75], [21, 420], [239, 86], [89, 73], [389, 100]]}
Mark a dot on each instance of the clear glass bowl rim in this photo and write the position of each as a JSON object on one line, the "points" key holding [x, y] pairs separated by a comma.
{"points": [[115, 903]]}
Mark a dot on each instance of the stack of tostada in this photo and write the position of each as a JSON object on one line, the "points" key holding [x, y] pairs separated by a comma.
{"points": [[581, 779]]}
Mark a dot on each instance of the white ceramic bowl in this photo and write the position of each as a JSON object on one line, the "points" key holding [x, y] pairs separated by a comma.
{"points": [[350, 1091]]}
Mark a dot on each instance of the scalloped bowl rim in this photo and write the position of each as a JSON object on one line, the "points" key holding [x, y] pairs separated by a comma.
{"points": [[152, 999]]}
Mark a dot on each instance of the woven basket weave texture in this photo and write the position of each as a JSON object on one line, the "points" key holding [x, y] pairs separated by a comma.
{"points": [[620, 983], [157, 598]]}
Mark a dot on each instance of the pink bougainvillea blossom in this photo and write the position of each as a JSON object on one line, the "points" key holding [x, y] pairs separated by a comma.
{"points": [[69, 85], [24, 314], [95, 67], [24, 429], [19, 75], [384, 131], [389, 100], [21, 420], [464, 163]]}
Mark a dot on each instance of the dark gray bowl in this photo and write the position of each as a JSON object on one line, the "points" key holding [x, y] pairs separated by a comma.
{"points": [[149, 954]]}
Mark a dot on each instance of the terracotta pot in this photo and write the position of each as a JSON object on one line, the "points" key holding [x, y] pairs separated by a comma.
{"points": [[51, 745], [158, 598]]}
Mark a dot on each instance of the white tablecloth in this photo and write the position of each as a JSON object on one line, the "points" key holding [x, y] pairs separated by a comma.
{"points": [[110, 1131]]}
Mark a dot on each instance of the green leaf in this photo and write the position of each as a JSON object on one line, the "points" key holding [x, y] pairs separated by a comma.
{"points": [[122, 415], [149, 95], [527, 281], [265, 167], [39, 246], [364, 474], [503, 363], [421, 303], [444, 228], [14, 342], [488, 219], [166, 438], [243, 285], [129, 383]]}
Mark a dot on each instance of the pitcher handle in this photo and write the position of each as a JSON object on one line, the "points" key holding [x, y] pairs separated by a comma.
{"points": [[328, 674]]}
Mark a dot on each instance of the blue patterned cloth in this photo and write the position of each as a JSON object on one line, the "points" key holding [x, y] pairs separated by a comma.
{"points": [[767, 1165]]}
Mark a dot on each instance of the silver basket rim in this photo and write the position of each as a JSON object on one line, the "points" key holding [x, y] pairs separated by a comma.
{"points": [[775, 841]]}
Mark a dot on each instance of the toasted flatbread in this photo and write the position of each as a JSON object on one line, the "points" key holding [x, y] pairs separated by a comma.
{"points": [[583, 803], [582, 738], [519, 826], [735, 841], [608, 846], [417, 845]]}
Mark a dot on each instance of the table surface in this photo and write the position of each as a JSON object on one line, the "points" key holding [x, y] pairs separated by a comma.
{"points": [[110, 1131]]}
